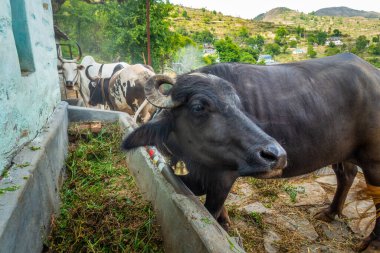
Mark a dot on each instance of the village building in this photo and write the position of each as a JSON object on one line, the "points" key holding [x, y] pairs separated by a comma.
{"points": [[335, 40], [33, 125]]}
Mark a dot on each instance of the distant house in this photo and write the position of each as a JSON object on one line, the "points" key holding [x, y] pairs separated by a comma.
{"points": [[268, 59], [208, 48], [335, 40], [298, 51]]}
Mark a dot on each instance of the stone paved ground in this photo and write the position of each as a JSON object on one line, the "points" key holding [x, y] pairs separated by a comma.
{"points": [[277, 215]]}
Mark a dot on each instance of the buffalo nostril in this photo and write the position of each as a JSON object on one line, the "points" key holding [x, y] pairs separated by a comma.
{"points": [[268, 155], [273, 153]]}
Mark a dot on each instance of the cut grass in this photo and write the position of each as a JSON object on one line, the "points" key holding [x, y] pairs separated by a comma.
{"points": [[102, 210]]}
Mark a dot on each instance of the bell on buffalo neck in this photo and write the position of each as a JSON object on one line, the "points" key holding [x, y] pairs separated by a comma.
{"points": [[180, 169]]}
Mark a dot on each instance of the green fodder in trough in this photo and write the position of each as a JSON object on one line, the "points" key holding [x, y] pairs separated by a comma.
{"points": [[102, 210]]}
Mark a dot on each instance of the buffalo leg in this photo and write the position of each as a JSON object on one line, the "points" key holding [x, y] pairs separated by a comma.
{"points": [[216, 191], [372, 176], [345, 175], [223, 218], [215, 197]]}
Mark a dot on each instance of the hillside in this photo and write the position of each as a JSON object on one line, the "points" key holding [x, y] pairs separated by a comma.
{"points": [[346, 12], [273, 13], [192, 20], [353, 26]]}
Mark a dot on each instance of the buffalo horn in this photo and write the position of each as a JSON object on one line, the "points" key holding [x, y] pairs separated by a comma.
{"points": [[154, 96]]}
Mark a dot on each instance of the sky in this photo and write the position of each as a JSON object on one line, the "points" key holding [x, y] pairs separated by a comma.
{"points": [[251, 8]]}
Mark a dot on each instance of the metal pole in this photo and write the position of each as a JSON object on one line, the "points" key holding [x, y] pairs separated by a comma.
{"points": [[148, 31]]}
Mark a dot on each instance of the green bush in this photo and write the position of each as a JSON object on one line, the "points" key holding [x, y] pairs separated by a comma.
{"points": [[246, 57], [311, 52], [374, 61], [210, 59], [361, 43], [332, 51], [228, 51], [272, 49], [374, 49], [293, 43]]}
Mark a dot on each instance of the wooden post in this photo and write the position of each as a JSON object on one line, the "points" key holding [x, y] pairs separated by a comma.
{"points": [[148, 31]]}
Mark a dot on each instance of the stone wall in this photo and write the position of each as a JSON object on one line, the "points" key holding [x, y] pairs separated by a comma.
{"points": [[29, 89]]}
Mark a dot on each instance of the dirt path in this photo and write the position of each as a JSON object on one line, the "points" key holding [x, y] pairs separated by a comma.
{"points": [[277, 215]]}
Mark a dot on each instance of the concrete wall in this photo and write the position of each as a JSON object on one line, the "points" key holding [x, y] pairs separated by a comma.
{"points": [[28, 97], [27, 211]]}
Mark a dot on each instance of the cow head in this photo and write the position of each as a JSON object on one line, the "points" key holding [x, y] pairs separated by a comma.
{"points": [[204, 123], [70, 69]]}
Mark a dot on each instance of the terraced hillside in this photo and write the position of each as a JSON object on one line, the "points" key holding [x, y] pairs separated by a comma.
{"points": [[193, 20]]}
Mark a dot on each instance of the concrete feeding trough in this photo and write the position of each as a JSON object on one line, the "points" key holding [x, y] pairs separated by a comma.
{"points": [[26, 212]]}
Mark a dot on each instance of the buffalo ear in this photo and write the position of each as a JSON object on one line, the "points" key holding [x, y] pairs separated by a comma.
{"points": [[152, 133], [80, 67]]}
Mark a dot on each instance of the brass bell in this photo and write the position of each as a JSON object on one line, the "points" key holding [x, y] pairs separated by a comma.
{"points": [[180, 169]]}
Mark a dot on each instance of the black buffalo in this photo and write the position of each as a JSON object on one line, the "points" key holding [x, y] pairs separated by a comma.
{"points": [[230, 120]]}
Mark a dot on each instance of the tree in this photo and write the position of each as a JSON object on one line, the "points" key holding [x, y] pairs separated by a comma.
{"points": [[272, 49], [204, 36], [361, 43], [184, 14], [321, 37], [374, 49], [337, 33], [332, 51], [76, 18], [210, 59], [282, 32], [243, 33], [248, 55], [228, 51], [126, 29], [293, 43], [311, 52], [332, 44], [256, 42], [311, 39], [280, 35], [300, 31]]}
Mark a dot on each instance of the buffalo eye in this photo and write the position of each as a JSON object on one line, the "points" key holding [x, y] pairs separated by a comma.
{"points": [[197, 108]]}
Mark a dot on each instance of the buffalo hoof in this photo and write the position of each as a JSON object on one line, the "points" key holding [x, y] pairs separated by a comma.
{"points": [[370, 245], [325, 215], [225, 226], [224, 220]]}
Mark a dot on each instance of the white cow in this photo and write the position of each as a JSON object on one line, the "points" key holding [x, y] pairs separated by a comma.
{"points": [[74, 75]]}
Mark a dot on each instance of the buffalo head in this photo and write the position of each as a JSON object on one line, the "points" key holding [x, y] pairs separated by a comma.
{"points": [[204, 124]]}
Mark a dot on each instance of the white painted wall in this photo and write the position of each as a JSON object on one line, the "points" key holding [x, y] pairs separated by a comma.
{"points": [[26, 101]]}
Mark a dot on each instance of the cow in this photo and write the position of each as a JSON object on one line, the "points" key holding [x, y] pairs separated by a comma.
{"points": [[74, 74], [99, 88], [124, 91], [233, 120]]}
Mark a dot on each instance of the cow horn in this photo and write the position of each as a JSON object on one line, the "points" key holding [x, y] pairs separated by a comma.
{"points": [[154, 96], [80, 52], [88, 75], [59, 52]]}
